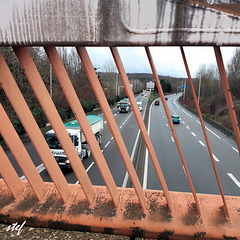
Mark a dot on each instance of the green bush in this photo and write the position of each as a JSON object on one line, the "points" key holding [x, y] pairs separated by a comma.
{"points": [[40, 117], [88, 106], [18, 126], [63, 114], [111, 101]]}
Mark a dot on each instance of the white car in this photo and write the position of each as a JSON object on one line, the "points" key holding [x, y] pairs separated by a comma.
{"points": [[140, 106]]}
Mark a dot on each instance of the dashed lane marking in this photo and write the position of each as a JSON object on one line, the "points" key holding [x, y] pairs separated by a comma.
{"points": [[107, 144], [172, 139], [193, 134], [202, 143], [188, 127], [234, 179], [215, 158], [235, 149]]}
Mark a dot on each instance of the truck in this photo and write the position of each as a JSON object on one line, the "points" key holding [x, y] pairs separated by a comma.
{"points": [[124, 105], [78, 139]]}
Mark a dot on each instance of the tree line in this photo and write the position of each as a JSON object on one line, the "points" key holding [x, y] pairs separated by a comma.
{"points": [[212, 99]]}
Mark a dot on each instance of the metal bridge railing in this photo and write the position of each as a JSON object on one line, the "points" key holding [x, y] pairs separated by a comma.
{"points": [[135, 212]]}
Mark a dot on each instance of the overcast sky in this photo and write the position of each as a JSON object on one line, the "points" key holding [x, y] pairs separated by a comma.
{"points": [[168, 60]]}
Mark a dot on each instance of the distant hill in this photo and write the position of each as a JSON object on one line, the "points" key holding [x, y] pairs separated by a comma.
{"points": [[146, 77]]}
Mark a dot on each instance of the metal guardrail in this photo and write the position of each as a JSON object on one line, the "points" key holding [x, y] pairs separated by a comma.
{"points": [[135, 212]]}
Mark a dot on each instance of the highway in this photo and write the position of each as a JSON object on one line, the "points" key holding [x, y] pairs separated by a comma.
{"points": [[129, 130], [193, 144], [195, 151]]}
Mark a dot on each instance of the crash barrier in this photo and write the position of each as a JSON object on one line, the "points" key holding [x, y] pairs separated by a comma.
{"points": [[134, 212]]}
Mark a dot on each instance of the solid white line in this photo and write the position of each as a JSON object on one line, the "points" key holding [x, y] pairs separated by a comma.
{"points": [[213, 133], [124, 185], [193, 134], [107, 144], [187, 127], [235, 149], [39, 168], [87, 170], [202, 143], [145, 176], [187, 113], [215, 158], [172, 139], [234, 179]]}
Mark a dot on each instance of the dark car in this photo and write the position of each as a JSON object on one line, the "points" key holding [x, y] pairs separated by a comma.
{"points": [[156, 102]]}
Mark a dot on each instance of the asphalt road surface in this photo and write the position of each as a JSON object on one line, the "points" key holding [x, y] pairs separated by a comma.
{"points": [[129, 129], [192, 142], [195, 151]]}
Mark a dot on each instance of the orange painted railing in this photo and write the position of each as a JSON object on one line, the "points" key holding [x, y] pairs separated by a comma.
{"points": [[161, 214], [120, 198]]}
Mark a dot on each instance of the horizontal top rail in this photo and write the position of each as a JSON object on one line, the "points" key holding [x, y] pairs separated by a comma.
{"points": [[118, 23]]}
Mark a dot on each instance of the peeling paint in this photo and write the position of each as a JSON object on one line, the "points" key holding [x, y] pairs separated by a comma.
{"points": [[118, 22]]}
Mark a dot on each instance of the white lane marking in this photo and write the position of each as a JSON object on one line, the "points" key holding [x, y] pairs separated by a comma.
{"points": [[115, 114], [193, 134], [102, 150], [163, 116], [39, 168], [87, 170], [202, 143], [183, 122], [107, 144], [187, 127], [166, 125], [124, 185], [235, 149], [120, 127], [105, 122], [146, 154], [172, 139], [198, 122], [184, 169], [111, 138], [187, 113], [215, 158], [234, 179], [213, 133], [100, 114]]}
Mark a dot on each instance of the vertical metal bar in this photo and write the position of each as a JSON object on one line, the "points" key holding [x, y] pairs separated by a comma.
{"points": [[21, 108], [9, 175], [205, 133], [111, 123], [159, 87], [141, 125], [228, 95], [51, 112], [80, 115], [21, 155]]}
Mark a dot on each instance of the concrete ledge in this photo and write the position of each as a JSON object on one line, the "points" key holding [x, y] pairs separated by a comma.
{"points": [[128, 219]]}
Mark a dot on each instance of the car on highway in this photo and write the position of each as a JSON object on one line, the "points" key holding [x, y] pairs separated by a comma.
{"points": [[156, 102], [140, 105], [175, 119]]}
